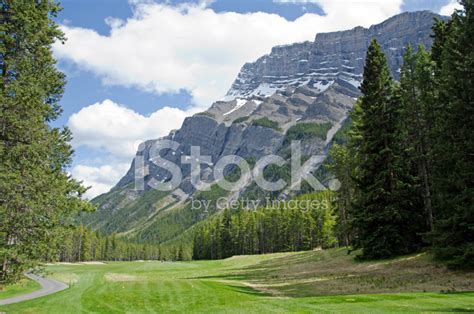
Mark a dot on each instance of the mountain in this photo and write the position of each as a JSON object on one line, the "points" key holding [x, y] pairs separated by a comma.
{"points": [[301, 91]]}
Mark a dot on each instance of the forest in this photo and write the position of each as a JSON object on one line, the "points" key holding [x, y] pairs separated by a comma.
{"points": [[267, 230]]}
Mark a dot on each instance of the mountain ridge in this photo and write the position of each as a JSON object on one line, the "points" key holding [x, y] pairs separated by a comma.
{"points": [[351, 44]]}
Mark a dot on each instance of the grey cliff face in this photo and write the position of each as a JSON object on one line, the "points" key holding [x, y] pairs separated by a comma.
{"points": [[332, 55]]}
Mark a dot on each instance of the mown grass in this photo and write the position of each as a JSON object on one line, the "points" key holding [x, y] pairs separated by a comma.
{"points": [[24, 286], [237, 285]]}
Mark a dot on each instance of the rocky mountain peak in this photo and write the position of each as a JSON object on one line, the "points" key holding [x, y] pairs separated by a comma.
{"points": [[314, 82], [331, 56]]}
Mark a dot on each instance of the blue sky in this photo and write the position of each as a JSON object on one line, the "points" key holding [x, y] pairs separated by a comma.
{"points": [[117, 92]]}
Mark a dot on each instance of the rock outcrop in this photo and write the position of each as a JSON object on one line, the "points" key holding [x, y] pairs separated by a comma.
{"points": [[332, 55]]}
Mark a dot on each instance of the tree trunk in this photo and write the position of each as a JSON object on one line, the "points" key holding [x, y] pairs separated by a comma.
{"points": [[4, 269]]}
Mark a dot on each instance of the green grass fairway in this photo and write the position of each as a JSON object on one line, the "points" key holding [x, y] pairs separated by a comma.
{"points": [[287, 282]]}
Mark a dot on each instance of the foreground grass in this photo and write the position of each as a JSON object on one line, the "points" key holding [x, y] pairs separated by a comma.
{"points": [[286, 282], [24, 286]]}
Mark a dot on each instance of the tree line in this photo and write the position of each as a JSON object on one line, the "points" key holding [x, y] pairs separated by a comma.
{"points": [[304, 223], [80, 244], [407, 171]]}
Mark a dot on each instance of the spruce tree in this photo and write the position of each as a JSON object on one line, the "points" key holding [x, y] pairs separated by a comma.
{"points": [[225, 235], [416, 123], [453, 153], [37, 194], [342, 166], [385, 217]]}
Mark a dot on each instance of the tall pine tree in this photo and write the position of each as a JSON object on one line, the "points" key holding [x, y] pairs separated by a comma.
{"points": [[36, 193], [384, 215], [454, 150], [416, 123]]}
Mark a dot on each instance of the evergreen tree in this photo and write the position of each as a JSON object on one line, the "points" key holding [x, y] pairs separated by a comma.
{"points": [[274, 229], [198, 243], [385, 216], [416, 123], [225, 235], [37, 195], [454, 149], [86, 245], [342, 167]]}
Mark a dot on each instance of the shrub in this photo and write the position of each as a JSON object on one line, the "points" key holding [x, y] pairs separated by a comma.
{"points": [[266, 123], [307, 130], [241, 119]]}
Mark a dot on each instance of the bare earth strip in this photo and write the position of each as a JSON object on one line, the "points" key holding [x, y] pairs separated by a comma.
{"points": [[48, 286]]}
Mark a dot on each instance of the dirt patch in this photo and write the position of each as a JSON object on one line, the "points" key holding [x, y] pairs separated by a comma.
{"points": [[68, 278], [114, 277]]}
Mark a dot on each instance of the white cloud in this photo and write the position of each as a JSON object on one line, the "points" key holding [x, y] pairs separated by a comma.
{"points": [[101, 179], [449, 8], [119, 129], [164, 48]]}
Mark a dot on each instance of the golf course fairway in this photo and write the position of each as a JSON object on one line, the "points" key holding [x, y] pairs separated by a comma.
{"points": [[319, 281]]}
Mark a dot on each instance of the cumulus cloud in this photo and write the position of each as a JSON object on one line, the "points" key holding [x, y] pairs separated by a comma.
{"points": [[166, 48], [101, 179], [449, 8], [118, 129]]}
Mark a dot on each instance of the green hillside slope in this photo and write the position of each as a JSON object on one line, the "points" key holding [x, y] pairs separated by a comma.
{"points": [[152, 216]]}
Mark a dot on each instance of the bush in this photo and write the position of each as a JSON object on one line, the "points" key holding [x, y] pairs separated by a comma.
{"points": [[240, 120], [307, 130], [266, 123]]}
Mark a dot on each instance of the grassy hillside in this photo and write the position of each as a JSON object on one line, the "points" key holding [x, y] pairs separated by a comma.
{"points": [[152, 216], [283, 282], [333, 272]]}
